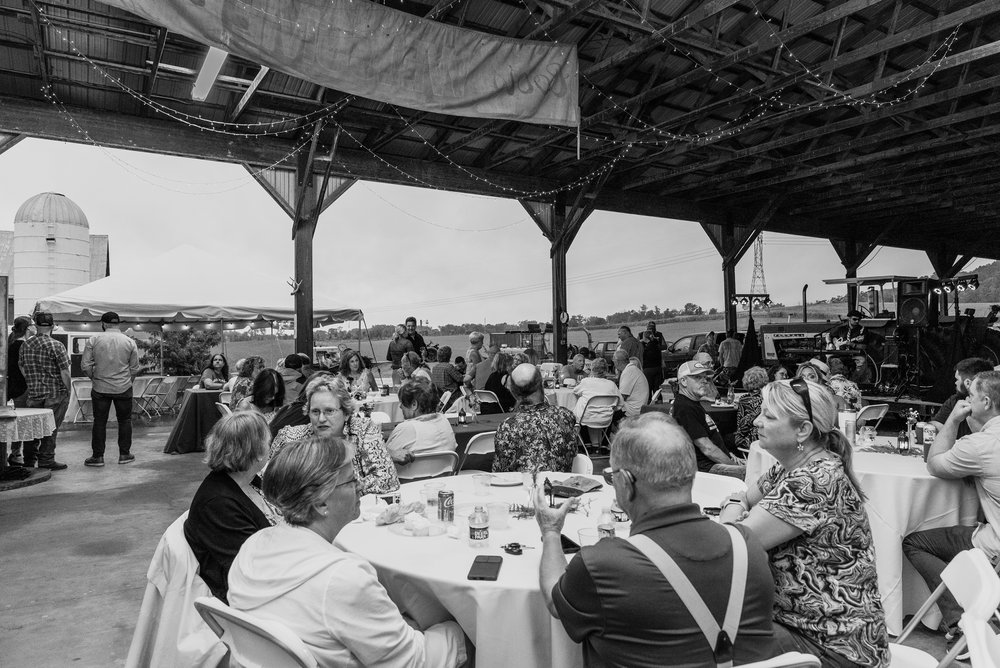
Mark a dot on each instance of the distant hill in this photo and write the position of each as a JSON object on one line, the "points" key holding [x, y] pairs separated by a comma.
{"points": [[989, 283]]}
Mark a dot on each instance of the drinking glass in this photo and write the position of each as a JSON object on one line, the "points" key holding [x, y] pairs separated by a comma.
{"points": [[866, 437], [481, 484], [430, 497], [499, 515], [588, 536]]}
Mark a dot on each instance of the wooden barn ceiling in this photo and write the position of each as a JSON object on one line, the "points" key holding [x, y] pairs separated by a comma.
{"points": [[868, 121]]}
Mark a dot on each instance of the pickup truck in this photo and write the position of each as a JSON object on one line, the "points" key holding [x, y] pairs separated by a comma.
{"points": [[673, 354]]}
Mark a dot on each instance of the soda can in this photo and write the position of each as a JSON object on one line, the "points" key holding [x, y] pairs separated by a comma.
{"points": [[930, 433], [605, 531], [446, 505]]}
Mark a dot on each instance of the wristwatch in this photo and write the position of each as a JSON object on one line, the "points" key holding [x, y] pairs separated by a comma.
{"points": [[738, 501]]}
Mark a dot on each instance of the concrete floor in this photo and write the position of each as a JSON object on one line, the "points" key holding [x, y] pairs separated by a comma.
{"points": [[74, 550]]}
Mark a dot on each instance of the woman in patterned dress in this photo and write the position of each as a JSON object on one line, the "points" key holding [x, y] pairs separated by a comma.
{"points": [[331, 410], [808, 511]]}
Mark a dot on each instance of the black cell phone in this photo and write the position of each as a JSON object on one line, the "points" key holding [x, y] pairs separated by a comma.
{"points": [[485, 567], [569, 546], [712, 510]]}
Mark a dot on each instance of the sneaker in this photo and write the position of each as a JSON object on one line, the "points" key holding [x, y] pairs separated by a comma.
{"points": [[93, 461], [126, 459], [53, 466], [15, 460]]}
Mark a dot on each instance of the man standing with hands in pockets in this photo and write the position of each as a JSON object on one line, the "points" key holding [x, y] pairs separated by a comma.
{"points": [[111, 360]]}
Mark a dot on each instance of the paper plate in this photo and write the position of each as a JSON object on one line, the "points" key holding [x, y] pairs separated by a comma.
{"points": [[401, 530], [510, 479]]}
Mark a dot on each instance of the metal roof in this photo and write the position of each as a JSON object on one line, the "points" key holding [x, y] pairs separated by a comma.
{"points": [[864, 121]]}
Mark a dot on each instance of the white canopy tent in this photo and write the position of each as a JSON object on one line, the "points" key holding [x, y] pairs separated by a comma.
{"points": [[187, 287]]}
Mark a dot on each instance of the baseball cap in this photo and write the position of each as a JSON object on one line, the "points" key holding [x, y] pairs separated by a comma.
{"points": [[820, 365], [692, 369], [110, 318], [44, 319], [293, 361]]}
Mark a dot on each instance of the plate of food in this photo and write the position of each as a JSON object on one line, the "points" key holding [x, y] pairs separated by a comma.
{"points": [[509, 479]]}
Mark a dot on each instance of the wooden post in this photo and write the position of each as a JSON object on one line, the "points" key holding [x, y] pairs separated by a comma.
{"points": [[557, 252], [729, 277]]}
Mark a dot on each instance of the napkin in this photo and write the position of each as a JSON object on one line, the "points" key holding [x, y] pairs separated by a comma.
{"points": [[396, 512], [575, 486]]}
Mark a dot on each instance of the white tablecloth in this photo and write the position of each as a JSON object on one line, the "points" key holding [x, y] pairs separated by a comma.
{"points": [[561, 396], [30, 424], [507, 620], [902, 498], [388, 405]]}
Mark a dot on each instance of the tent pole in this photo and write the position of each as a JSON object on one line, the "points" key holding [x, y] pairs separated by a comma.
{"points": [[161, 351]]}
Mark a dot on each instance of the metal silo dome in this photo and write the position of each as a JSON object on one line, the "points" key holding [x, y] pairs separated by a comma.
{"points": [[51, 208]]}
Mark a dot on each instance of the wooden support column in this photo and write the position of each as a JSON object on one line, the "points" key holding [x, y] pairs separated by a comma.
{"points": [[729, 277], [853, 253]]}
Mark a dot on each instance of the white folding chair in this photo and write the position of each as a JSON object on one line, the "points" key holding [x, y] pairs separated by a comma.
{"points": [[224, 409], [163, 392], [582, 463], [443, 402], [380, 417], [872, 412], [148, 400], [716, 487], [974, 583], [429, 465], [225, 397], [655, 399], [596, 424], [787, 660], [487, 397], [254, 643], [82, 387], [480, 444]]}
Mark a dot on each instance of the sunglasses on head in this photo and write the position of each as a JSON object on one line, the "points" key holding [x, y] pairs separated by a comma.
{"points": [[801, 388]]}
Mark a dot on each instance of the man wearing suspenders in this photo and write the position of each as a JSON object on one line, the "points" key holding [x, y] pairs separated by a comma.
{"points": [[681, 590]]}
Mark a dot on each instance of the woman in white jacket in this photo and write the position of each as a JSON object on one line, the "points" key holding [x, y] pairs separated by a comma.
{"points": [[331, 599]]}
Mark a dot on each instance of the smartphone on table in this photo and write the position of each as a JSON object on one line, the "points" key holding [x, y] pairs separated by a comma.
{"points": [[485, 567]]}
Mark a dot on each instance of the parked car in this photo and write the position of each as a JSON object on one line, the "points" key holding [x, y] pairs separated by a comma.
{"points": [[680, 351]]}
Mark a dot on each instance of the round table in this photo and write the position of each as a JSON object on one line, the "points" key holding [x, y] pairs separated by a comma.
{"points": [[27, 424], [562, 396], [196, 417], [386, 404], [507, 620], [902, 498]]}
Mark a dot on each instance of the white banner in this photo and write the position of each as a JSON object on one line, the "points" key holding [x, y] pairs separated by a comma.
{"points": [[367, 49]]}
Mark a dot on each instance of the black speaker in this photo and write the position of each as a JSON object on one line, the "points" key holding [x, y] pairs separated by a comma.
{"points": [[913, 306]]}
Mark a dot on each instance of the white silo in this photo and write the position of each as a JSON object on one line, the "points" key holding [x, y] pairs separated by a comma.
{"points": [[51, 249]]}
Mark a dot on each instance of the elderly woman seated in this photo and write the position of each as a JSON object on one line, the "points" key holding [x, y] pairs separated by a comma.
{"points": [[808, 511], [575, 369], [331, 599], [330, 408], [226, 509], [424, 430], [595, 384], [748, 407]]}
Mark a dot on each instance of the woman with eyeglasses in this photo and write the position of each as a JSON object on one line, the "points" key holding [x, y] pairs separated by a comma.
{"points": [[216, 374], [331, 411], [331, 599], [808, 512]]}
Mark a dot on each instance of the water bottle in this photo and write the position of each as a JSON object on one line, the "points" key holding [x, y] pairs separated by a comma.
{"points": [[479, 528], [606, 524], [731, 395], [461, 415]]}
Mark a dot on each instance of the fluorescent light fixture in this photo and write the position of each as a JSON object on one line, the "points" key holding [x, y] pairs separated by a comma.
{"points": [[210, 69]]}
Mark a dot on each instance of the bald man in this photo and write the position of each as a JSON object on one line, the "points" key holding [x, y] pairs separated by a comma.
{"points": [[537, 437]]}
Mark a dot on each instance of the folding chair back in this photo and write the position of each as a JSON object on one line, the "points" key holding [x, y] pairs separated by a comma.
{"points": [[975, 585], [380, 417], [587, 418], [224, 409], [712, 486], [487, 397], [872, 412], [163, 392], [254, 642], [82, 388], [147, 402], [480, 444], [429, 465]]}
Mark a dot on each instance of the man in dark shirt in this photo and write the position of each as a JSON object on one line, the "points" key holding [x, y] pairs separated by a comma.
{"points": [[414, 336], [628, 343], [398, 346], [616, 602], [693, 382], [652, 359], [965, 371]]}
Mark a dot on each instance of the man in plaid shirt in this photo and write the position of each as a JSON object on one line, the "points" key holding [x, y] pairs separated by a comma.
{"points": [[45, 365]]}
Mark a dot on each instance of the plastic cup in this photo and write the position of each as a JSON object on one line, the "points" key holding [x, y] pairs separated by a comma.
{"points": [[588, 536], [481, 484], [866, 436], [499, 515], [429, 495]]}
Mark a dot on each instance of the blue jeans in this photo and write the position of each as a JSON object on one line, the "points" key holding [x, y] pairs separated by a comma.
{"points": [[929, 552], [123, 412], [45, 448]]}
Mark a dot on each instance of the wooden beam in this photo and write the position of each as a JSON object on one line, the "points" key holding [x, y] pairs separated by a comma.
{"points": [[248, 93], [156, 55], [39, 45], [749, 233], [561, 18]]}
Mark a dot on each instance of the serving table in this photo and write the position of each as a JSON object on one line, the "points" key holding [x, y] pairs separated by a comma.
{"points": [[507, 620], [196, 417], [902, 498]]}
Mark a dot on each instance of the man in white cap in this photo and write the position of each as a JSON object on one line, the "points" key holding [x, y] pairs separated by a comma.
{"points": [[693, 381], [111, 360]]}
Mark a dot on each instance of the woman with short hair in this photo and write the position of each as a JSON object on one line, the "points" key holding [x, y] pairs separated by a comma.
{"points": [[748, 407], [331, 599], [808, 511], [227, 509], [331, 411], [216, 374], [267, 395], [356, 373], [424, 429]]}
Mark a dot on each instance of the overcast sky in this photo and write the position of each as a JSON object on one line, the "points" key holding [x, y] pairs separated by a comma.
{"points": [[395, 251]]}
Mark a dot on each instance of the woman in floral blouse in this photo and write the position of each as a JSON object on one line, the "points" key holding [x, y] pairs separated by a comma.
{"points": [[330, 408], [748, 407], [808, 511]]}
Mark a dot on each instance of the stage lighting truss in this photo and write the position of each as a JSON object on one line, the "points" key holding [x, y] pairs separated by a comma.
{"points": [[745, 300], [960, 284]]}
